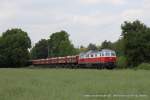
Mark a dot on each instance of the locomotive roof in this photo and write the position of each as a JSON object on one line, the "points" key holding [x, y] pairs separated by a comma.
{"points": [[106, 50], [89, 52], [93, 51]]}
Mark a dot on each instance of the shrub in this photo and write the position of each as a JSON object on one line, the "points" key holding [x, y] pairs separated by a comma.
{"points": [[145, 66], [121, 62]]}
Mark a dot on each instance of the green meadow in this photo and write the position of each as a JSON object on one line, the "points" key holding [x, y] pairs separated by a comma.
{"points": [[74, 84]]}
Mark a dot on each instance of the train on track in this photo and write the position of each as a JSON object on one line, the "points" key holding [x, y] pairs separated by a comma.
{"points": [[104, 58]]}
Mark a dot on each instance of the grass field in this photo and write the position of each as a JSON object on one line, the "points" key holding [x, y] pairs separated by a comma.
{"points": [[75, 84]]}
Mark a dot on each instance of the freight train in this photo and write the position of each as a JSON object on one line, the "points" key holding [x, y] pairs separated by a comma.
{"points": [[104, 58]]}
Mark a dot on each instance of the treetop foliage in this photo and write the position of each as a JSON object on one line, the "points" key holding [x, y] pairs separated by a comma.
{"points": [[57, 45], [106, 45], [40, 50], [60, 45], [136, 42], [92, 47], [14, 45]]}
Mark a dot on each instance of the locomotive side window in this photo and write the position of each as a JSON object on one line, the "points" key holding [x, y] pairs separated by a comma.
{"points": [[81, 56], [95, 55], [102, 54], [107, 54], [87, 56]]}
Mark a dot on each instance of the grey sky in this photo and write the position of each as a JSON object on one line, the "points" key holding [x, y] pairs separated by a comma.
{"points": [[87, 21]]}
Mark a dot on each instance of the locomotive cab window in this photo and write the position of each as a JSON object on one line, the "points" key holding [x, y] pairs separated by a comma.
{"points": [[113, 54]]}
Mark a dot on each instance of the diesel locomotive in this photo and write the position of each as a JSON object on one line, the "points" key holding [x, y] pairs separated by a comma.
{"points": [[104, 58]]}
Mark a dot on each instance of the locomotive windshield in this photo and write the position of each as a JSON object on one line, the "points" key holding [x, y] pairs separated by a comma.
{"points": [[108, 53], [113, 54]]}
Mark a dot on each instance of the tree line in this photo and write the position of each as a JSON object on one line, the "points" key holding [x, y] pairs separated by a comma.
{"points": [[132, 47], [57, 45]]}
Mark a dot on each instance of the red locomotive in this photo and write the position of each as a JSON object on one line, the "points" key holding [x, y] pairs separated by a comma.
{"points": [[93, 59]]}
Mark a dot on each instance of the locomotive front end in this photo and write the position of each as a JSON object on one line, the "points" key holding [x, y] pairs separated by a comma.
{"points": [[109, 58]]}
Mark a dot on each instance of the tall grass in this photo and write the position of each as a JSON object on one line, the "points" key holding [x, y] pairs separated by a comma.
{"points": [[65, 84]]}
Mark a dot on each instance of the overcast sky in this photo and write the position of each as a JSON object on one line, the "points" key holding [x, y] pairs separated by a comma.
{"points": [[87, 21]]}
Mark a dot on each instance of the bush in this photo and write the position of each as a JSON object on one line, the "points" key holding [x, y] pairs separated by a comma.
{"points": [[145, 66], [121, 62]]}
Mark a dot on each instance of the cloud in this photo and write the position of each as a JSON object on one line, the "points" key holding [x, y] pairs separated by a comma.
{"points": [[146, 3], [85, 20], [140, 13], [132, 14], [113, 2], [95, 20], [8, 10]]}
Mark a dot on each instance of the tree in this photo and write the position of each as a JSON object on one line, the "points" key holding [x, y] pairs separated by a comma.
{"points": [[106, 45], [136, 42], [118, 46], [14, 45], [92, 47], [2, 56], [82, 49], [40, 50], [60, 45]]}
